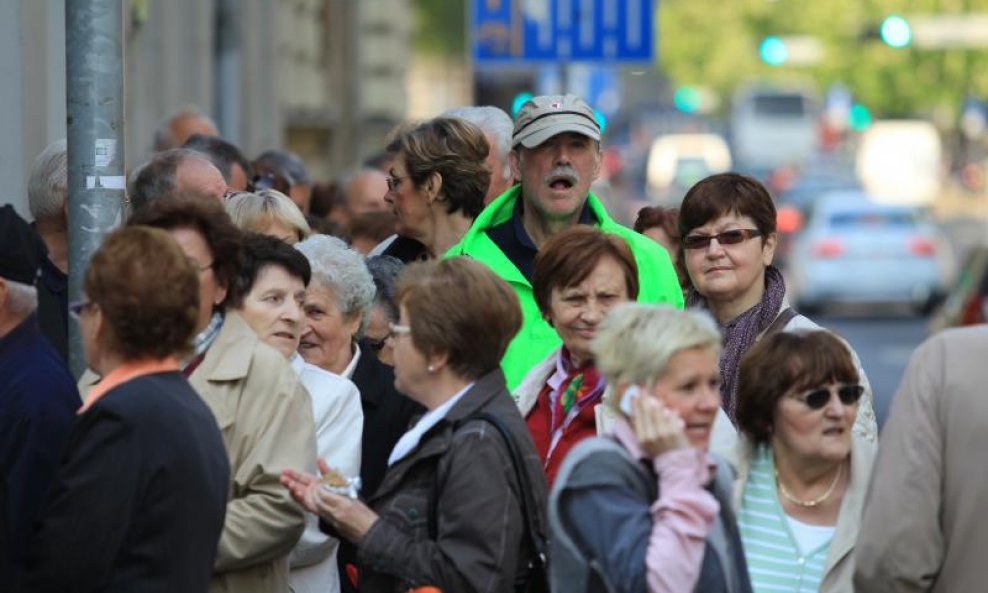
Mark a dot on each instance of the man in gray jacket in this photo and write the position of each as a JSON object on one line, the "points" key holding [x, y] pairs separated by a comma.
{"points": [[924, 526]]}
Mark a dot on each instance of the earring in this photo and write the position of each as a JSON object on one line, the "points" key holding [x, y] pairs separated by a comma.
{"points": [[430, 368]]}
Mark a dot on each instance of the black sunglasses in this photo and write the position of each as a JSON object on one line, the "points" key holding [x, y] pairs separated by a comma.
{"points": [[816, 399], [732, 237]]}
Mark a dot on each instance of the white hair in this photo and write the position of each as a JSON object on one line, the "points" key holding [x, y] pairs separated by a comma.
{"points": [[341, 269], [493, 121], [48, 186], [22, 299], [635, 341]]}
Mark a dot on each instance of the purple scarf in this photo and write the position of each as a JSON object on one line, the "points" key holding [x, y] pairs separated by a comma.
{"points": [[740, 333]]}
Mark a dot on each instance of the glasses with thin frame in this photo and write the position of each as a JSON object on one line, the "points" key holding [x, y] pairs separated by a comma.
{"points": [[394, 181], [816, 399], [731, 237]]}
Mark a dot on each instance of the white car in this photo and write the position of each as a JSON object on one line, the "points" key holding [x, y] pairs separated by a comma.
{"points": [[853, 250]]}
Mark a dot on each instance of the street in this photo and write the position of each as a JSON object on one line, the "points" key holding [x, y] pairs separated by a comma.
{"points": [[884, 344]]}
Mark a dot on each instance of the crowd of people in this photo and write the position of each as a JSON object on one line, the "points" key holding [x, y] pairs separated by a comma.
{"points": [[454, 371]]}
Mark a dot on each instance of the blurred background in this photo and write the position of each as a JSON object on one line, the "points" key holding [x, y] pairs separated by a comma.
{"points": [[867, 119]]}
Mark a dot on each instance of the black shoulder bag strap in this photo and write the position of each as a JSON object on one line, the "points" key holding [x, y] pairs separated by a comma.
{"points": [[780, 323], [538, 579]]}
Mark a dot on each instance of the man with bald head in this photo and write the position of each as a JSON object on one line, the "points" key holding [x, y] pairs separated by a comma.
{"points": [[365, 192], [179, 170], [174, 131]]}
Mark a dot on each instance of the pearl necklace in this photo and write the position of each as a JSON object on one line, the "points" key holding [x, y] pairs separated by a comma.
{"points": [[809, 503]]}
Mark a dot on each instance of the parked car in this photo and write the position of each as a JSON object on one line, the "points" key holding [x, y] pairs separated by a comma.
{"points": [[967, 300], [854, 250]]}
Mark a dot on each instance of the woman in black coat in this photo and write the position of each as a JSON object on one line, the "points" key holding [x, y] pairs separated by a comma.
{"points": [[138, 501]]}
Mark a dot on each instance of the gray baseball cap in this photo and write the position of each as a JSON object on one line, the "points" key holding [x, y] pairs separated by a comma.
{"points": [[542, 117]]}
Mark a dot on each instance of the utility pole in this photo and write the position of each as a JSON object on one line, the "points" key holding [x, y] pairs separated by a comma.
{"points": [[95, 137]]}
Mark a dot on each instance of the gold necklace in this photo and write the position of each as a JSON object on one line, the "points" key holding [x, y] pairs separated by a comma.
{"points": [[809, 503]]}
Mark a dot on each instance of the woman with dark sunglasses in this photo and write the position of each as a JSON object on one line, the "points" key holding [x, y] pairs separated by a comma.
{"points": [[727, 225], [803, 472]]}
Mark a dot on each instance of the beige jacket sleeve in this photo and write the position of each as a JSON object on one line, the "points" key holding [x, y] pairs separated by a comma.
{"points": [[900, 544], [277, 432]]}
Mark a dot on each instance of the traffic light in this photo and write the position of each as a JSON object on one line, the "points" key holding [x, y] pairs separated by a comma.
{"points": [[686, 99], [519, 100], [859, 117], [895, 31], [773, 51]]}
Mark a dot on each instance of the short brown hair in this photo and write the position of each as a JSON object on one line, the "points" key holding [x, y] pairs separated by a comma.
{"points": [[666, 219], [568, 257], [205, 216], [726, 193], [452, 147], [459, 307], [787, 362], [148, 291]]}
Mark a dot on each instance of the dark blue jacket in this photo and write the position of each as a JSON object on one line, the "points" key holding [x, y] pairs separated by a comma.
{"points": [[138, 500], [38, 400]]}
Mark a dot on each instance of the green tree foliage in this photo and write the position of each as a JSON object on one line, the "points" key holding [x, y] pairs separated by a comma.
{"points": [[715, 43]]}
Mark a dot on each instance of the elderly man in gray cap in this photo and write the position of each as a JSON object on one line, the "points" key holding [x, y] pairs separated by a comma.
{"points": [[556, 155]]}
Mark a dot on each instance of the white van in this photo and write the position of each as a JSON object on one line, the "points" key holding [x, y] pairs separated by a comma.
{"points": [[901, 162], [677, 161]]}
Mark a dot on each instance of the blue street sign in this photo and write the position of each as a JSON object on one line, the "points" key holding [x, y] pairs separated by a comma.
{"points": [[505, 32]]}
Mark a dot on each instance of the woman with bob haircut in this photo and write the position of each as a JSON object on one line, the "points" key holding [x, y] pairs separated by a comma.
{"points": [[449, 512], [803, 474], [144, 468], [727, 225], [436, 186], [579, 275], [268, 212], [647, 508]]}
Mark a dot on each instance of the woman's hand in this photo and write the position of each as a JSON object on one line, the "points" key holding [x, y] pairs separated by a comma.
{"points": [[349, 517], [658, 428]]}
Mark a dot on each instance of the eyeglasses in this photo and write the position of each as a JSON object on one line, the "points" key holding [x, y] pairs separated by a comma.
{"points": [[377, 345], [396, 329], [77, 307], [394, 181], [732, 237], [816, 399]]}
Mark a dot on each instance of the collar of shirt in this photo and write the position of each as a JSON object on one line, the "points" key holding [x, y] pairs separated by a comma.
{"points": [[125, 372], [352, 367], [518, 218], [204, 339], [408, 441]]}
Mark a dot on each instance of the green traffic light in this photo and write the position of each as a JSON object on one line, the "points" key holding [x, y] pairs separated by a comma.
{"points": [[895, 31], [519, 100], [686, 99], [773, 51]]}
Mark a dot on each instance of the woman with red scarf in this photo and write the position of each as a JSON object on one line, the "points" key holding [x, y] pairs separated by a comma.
{"points": [[579, 275]]}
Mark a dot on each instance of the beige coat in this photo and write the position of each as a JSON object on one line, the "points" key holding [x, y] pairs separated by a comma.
{"points": [[265, 417], [925, 525], [839, 567]]}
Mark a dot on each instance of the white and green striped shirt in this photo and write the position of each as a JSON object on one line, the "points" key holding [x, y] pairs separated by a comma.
{"points": [[776, 563]]}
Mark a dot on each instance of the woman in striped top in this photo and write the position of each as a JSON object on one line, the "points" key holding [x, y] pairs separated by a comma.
{"points": [[802, 473]]}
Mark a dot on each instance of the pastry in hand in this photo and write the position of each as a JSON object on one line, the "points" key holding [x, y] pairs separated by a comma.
{"points": [[335, 482]]}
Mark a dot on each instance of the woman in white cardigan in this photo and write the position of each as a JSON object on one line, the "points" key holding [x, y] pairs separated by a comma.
{"points": [[802, 471]]}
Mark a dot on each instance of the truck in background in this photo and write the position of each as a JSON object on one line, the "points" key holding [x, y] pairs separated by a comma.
{"points": [[901, 162]]}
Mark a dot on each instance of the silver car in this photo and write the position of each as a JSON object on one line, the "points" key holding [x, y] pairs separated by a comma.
{"points": [[854, 250]]}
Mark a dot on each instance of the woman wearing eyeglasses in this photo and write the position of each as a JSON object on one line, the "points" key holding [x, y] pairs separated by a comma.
{"points": [[802, 472], [436, 186], [727, 225]]}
